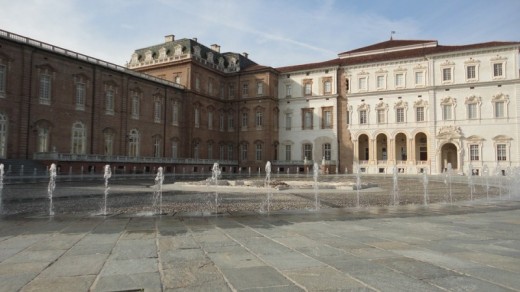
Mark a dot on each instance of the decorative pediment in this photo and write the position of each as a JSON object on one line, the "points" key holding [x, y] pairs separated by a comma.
{"points": [[259, 108], [245, 110], [80, 78], [472, 61], [499, 58], [381, 71], [472, 99], [381, 105], [502, 138], [110, 85], [449, 132], [500, 97], [363, 107], [448, 63], [475, 138], [420, 103], [47, 68], [400, 69], [401, 104], [362, 72], [448, 100], [419, 67]]}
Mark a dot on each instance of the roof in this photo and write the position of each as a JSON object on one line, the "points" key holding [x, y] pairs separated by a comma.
{"points": [[309, 66], [389, 44]]}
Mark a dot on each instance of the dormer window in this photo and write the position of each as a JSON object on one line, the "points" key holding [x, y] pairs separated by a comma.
{"points": [[196, 51], [148, 56], [209, 57], [162, 53], [178, 50]]}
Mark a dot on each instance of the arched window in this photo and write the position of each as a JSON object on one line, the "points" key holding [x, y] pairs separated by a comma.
{"points": [[108, 136], [3, 136], [133, 143], [78, 138], [43, 139]]}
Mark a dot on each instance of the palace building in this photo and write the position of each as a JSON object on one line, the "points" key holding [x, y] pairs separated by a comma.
{"points": [[415, 105]]}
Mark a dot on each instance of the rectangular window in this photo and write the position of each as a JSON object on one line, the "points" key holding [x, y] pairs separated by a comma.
{"points": [[288, 121], [175, 114], [501, 152], [244, 120], [109, 102], [157, 115], [3, 76], [327, 87], [221, 123], [231, 123], [474, 153], [307, 151], [259, 88], [210, 120], [174, 150], [222, 151], [399, 80], [135, 107], [380, 82], [197, 118], [80, 95], [446, 112], [472, 111], [499, 109], [222, 90], [446, 74], [497, 70], [419, 78], [327, 151], [245, 90], [258, 151], [210, 151], [259, 120], [327, 119], [243, 152], [197, 82], [308, 88], [381, 117], [419, 114], [307, 119], [210, 86], [471, 73], [363, 119], [230, 152], [399, 115], [288, 152], [288, 90], [231, 90], [45, 89], [362, 83]]}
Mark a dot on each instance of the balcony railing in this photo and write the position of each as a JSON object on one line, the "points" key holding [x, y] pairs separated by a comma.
{"points": [[124, 159]]}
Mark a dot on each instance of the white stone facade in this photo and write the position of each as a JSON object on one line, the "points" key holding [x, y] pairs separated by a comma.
{"points": [[423, 111]]}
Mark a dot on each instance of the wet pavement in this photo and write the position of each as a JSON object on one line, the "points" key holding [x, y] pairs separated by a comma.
{"points": [[467, 246]]}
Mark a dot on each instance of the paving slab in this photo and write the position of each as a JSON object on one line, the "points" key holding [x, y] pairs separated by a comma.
{"points": [[78, 283]]}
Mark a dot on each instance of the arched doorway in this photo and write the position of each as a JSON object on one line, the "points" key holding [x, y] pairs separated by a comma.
{"points": [[401, 147], [363, 147], [382, 147], [449, 155]]}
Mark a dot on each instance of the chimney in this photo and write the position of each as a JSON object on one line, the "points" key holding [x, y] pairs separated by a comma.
{"points": [[245, 54], [195, 39], [215, 48], [169, 38]]}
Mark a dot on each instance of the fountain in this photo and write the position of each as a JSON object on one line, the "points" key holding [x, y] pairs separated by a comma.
{"points": [[498, 173], [471, 183], [315, 170], [157, 193], [1, 184], [395, 190], [485, 174], [106, 176], [267, 184], [425, 186], [21, 170], [215, 174], [358, 182], [447, 181], [51, 187]]}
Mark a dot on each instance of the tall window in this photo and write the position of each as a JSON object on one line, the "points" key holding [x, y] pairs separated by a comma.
{"points": [[381, 116], [135, 106], [499, 109], [109, 143], [307, 88], [231, 90], [259, 88], [157, 111], [307, 119], [230, 152], [327, 87], [157, 146], [501, 152], [327, 151], [210, 86], [258, 154], [210, 150], [363, 118], [498, 70], [231, 122], [133, 143], [327, 118], [175, 114], [221, 124], [380, 82], [45, 88], [307, 151], [245, 89], [243, 152], [109, 102], [222, 151], [197, 82], [419, 78], [259, 120], [399, 115], [362, 83], [244, 120], [471, 72], [446, 74], [288, 121], [3, 135], [419, 114], [288, 90], [399, 80], [175, 149], [447, 112], [78, 138], [210, 120], [474, 153], [196, 118], [196, 150], [80, 96], [472, 111], [288, 152], [3, 76], [43, 139]]}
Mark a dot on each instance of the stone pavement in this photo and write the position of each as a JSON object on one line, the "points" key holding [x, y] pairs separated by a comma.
{"points": [[462, 247]]}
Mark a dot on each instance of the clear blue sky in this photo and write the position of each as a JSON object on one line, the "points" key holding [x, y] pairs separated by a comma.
{"points": [[273, 32]]}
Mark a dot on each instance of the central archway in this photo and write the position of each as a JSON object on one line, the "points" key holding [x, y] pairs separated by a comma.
{"points": [[449, 155]]}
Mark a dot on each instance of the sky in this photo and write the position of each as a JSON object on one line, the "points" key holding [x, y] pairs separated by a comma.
{"points": [[274, 33]]}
